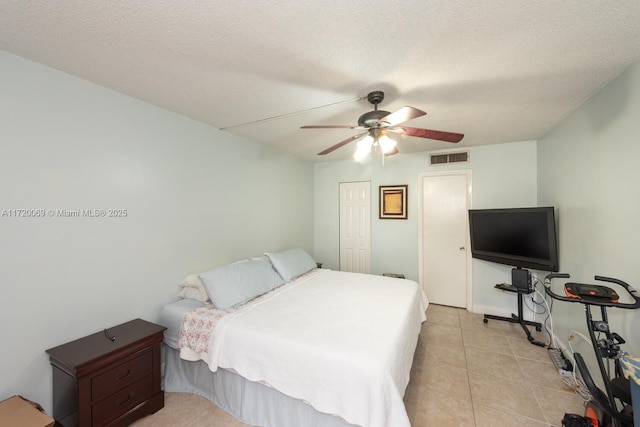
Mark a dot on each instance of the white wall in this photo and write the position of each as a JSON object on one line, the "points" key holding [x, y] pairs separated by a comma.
{"points": [[588, 167], [504, 175], [195, 198]]}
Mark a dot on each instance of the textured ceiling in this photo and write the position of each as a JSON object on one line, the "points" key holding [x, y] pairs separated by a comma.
{"points": [[496, 70]]}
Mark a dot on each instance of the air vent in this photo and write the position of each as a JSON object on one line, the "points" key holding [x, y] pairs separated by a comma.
{"points": [[441, 159]]}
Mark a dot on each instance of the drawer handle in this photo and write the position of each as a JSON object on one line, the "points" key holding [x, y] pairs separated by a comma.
{"points": [[121, 402], [127, 375]]}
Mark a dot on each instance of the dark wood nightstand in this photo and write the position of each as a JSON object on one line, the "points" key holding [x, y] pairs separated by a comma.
{"points": [[110, 378]]}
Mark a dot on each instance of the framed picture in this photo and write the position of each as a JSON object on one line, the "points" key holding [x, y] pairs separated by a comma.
{"points": [[393, 201]]}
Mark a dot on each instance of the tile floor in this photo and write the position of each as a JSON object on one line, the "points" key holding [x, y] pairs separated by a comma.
{"points": [[468, 373], [465, 373]]}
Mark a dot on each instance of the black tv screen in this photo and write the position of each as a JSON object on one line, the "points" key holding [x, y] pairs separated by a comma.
{"points": [[520, 237]]}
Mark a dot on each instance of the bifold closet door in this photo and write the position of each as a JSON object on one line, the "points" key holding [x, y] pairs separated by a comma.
{"points": [[355, 227]]}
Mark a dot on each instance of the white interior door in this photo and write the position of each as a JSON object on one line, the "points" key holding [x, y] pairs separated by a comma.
{"points": [[355, 227], [445, 272]]}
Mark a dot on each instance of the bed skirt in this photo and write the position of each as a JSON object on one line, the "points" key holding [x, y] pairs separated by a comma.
{"points": [[250, 402]]}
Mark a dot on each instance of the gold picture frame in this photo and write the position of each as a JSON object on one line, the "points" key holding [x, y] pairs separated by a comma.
{"points": [[393, 201]]}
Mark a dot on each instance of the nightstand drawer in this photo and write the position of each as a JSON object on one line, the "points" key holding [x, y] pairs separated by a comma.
{"points": [[122, 401], [121, 376]]}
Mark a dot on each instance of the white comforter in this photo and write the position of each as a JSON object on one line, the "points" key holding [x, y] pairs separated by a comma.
{"points": [[343, 342]]}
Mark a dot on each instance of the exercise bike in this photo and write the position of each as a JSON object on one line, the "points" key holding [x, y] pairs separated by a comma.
{"points": [[602, 410]]}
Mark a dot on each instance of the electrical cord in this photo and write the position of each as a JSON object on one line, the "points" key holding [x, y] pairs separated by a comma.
{"points": [[545, 309], [535, 303], [549, 305], [549, 317], [575, 383], [547, 329], [577, 386], [568, 378]]}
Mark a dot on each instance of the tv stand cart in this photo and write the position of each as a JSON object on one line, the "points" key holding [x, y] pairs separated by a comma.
{"points": [[517, 318]]}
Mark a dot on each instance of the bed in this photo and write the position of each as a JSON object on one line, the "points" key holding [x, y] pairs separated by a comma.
{"points": [[317, 348]]}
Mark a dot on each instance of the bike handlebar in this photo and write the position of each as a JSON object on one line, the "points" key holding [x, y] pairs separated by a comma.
{"points": [[628, 288]]}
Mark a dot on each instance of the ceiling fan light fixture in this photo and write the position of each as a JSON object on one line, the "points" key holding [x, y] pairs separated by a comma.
{"points": [[363, 148], [386, 144]]}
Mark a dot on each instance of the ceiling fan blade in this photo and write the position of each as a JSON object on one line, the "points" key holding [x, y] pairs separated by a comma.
{"points": [[328, 127], [342, 143], [430, 134], [400, 116]]}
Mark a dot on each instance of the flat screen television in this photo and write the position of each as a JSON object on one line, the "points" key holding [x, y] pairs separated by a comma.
{"points": [[520, 237]]}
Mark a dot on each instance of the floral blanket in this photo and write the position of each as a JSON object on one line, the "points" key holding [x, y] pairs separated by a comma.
{"points": [[197, 326]]}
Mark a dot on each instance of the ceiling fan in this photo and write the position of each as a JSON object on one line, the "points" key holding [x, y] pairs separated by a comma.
{"points": [[377, 126]]}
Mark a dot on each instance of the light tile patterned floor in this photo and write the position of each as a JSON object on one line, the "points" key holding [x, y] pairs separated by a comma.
{"points": [[465, 373], [492, 375]]}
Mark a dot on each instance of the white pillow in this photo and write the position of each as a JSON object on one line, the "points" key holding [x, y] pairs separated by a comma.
{"points": [[241, 281], [193, 288], [192, 293], [291, 263]]}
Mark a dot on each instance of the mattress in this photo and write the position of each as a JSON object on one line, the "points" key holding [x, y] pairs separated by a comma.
{"points": [[171, 318]]}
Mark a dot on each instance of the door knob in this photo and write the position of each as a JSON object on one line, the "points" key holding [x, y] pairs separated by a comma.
{"points": [[462, 248]]}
